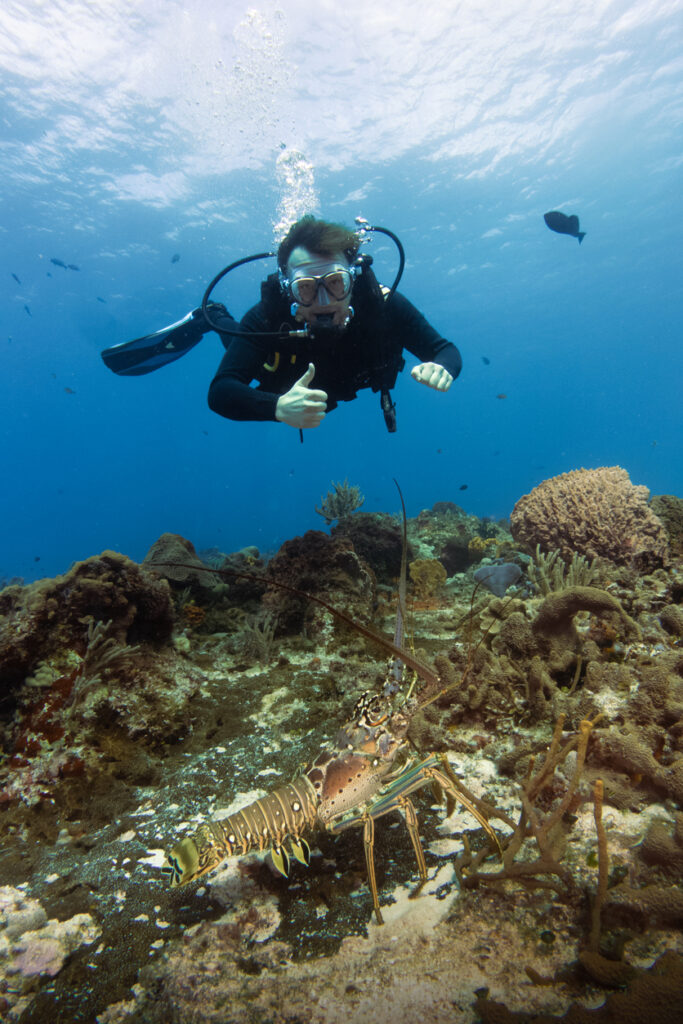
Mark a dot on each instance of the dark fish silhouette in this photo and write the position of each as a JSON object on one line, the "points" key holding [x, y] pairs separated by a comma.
{"points": [[28, 311], [99, 299], [58, 263], [175, 257], [16, 278], [486, 361], [72, 266], [564, 225], [69, 391], [501, 395], [463, 487]]}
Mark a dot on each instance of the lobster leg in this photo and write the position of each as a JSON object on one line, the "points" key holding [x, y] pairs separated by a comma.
{"points": [[369, 847], [401, 803], [414, 833], [432, 770]]}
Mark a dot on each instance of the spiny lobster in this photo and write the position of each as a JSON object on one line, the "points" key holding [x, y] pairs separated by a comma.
{"points": [[366, 774]]}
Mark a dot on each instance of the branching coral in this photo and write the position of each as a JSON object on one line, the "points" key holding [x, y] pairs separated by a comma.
{"points": [[548, 572], [340, 502], [255, 641], [595, 512], [103, 651], [537, 822]]}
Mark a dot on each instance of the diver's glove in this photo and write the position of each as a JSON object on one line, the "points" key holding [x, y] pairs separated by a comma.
{"points": [[301, 406]]}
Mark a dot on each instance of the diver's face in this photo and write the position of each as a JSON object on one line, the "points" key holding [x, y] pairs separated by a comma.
{"points": [[320, 286]]}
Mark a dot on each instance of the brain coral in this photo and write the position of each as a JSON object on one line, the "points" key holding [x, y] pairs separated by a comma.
{"points": [[594, 512]]}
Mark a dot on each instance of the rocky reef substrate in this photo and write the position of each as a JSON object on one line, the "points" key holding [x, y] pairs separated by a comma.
{"points": [[139, 700]]}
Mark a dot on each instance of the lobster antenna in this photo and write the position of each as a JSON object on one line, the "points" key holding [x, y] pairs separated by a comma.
{"points": [[423, 670], [399, 631]]}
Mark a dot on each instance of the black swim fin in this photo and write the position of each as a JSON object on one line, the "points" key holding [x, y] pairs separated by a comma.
{"points": [[144, 355]]}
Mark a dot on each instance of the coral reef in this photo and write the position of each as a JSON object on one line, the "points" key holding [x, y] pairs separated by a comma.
{"points": [[560, 713], [458, 540], [595, 513]]}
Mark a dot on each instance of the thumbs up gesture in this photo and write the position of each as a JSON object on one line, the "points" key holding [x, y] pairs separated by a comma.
{"points": [[302, 407]]}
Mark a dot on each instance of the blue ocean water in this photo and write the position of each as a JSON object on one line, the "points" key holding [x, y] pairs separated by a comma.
{"points": [[135, 132]]}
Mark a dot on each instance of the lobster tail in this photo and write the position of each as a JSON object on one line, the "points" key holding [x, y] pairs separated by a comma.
{"points": [[268, 822]]}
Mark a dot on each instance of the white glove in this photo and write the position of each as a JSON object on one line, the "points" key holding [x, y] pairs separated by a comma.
{"points": [[301, 406], [433, 375]]}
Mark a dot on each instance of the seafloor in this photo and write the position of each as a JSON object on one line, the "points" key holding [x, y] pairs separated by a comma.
{"points": [[138, 701]]}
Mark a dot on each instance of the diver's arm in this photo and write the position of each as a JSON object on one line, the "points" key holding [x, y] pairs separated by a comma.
{"points": [[416, 334], [230, 394]]}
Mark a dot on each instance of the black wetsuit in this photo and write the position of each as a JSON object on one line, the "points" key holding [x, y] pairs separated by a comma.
{"points": [[367, 354]]}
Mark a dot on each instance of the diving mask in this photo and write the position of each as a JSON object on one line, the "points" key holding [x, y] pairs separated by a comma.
{"points": [[332, 286]]}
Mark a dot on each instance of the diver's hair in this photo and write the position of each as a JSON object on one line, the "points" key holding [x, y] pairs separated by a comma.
{"points": [[318, 236]]}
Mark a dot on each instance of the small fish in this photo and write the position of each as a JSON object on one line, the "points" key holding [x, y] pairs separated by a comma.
{"points": [[16, 278], [58, 263], [486, 361], [28, 311], [99, 299], [463, 487], [69, 391], [175, 257], [49, 274], [501, 395], [37, 558], [564, 225], [72, 266], [439, 451]]}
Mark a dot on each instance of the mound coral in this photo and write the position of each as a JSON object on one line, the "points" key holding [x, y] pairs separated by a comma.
{"points": [[326, 567], [377, 539], [595, 512], [428, 576], [52, 614]]}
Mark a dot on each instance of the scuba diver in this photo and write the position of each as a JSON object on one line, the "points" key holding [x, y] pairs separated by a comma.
{"points": [[324, 330]]}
